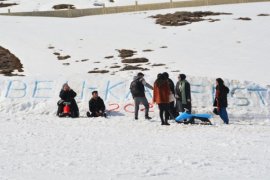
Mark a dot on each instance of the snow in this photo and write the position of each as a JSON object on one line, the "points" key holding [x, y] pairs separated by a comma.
{"points": [[35, 144]]}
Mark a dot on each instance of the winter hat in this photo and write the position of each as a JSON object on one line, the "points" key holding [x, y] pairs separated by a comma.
{"points": [[182, 76], [140, 74]]}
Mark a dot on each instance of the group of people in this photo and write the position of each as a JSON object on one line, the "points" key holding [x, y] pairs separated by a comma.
{"points": [[171, 99], [67, 95]]}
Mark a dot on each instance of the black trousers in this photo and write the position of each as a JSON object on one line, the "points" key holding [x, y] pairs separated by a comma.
{"points": [[163, 108], [173, 112]]}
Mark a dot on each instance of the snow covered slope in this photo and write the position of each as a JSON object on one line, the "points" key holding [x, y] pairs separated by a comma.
{"points": [[35, 144]]}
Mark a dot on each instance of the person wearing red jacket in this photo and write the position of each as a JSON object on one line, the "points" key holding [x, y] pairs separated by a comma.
{"points": [[161, 93], [221, 101]]}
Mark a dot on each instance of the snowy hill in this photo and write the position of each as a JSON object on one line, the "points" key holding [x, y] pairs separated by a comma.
{"points": [[35, 144]]}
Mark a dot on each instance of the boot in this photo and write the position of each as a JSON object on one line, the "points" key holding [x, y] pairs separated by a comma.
{"points": [[148, 117], [88, 114], [166, 122], [162, 122]]}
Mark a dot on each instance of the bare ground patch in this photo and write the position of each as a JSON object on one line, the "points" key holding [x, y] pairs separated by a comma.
{"points": [[108, 57], [9, 63], [63, 6], [182, 18], [148, 50], [135, 60], [99, 71], [129, 68], [7, 4], [124, 53], [158, 64], [244, 18], [115, 66], [63, 57], [263, 14]]}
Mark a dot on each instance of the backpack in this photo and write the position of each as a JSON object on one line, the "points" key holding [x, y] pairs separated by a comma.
{"points": [[134, 87]]}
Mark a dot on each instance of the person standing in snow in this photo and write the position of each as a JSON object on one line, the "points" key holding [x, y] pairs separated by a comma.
{"points": [[171, 97], [183, 94], [67, 95], [138, 93], [221, 101], [96, 106], [161, 96]]}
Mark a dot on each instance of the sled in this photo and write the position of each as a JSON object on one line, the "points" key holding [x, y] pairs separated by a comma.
{"points": [[66, 110], [183, 116]]}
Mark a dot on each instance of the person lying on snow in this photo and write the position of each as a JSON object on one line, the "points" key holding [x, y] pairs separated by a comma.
{"points": [[96, 106], [67, 96]]}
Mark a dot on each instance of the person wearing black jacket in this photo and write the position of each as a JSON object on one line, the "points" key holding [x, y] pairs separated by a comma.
{"points": [[221, 101], [96, 106], [67, 95], [171, 98], [138, 93]]}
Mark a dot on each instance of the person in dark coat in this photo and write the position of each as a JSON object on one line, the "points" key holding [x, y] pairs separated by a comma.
{"points": [[96, 106], [67, 95], [138, 94], [172, 99], [220, 100], [183, 95]]}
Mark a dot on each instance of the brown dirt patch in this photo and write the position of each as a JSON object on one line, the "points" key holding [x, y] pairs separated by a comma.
{"points": [[163, 47], [135, 60], [148, 50], [108, 57], [124, 53], [213, 20], [129, 68], [182, 18], [64, 6], [244, 18], [9, 63], [7, 4], [263, 14], [159, 65], [115, 66], [99, 71], [63, 57], [56, 53]]}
